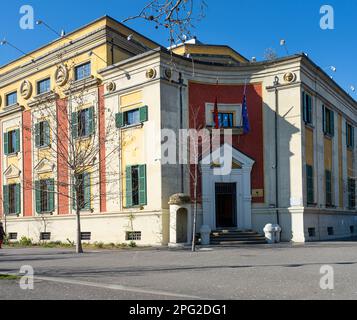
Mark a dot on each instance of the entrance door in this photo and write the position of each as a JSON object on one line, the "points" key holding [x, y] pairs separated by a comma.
{"points": [[226, 205]]}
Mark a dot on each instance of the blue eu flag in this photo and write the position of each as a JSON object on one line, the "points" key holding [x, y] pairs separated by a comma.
{"points": [[245, 117]]}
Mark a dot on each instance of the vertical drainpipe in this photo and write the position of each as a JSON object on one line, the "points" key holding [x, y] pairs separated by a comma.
{"points": [[276, 83], [181, 127]]}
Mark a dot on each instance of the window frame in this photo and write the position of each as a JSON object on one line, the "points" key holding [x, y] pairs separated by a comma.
{"points": [[220, 119], [351, 190], [307, 106], [349, 136], [14, 93], [328, 118], [328, 192], [85, 76], [85, 205], [310, 185], [38, 86]]}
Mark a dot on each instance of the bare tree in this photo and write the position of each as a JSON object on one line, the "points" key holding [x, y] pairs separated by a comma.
{"points": [[74, 150], [176, 16], [199, 146]]}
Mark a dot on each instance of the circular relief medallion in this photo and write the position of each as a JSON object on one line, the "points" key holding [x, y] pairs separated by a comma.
{"points": [[111, 86], [168, 73], [61, 75], [151, 73], [289, 77], [26, 89]]}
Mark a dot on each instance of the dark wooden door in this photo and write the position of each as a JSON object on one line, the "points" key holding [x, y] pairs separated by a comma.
{"points": [[226, 205]]}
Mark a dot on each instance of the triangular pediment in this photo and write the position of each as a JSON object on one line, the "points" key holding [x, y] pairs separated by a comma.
{"points": [[44, 166], [12, 172], [239, 159]]}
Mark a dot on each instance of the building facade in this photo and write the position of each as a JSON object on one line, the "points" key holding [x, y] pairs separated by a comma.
{"points": [[123, 96]]}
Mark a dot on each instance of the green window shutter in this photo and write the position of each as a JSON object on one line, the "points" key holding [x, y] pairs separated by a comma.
{"points": [[309, 109], [17, 147], [37, 135], [90, 120], [128, 187], [304, 107], [74, 125], [119, 120], [17, 198], [6, 143], [87, 191], [324, 119], [142, 185], [51, 195], [310, 184], [352, 137], [143, 113], [6, 199], [332, 123], [46, 130], [38, 196]]}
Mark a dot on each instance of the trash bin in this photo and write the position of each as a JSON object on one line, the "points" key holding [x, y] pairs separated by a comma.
{"points": [[269, 233], [272, 233], [205, 235]]}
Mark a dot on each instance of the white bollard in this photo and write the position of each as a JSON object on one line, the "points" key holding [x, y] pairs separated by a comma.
{"points": [[269, 233]]}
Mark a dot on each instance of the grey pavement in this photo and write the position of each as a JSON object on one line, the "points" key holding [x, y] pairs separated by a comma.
{"points": [[248, 272]]}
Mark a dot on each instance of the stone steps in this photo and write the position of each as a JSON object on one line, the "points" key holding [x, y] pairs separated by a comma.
{"points": [[233, 237]]}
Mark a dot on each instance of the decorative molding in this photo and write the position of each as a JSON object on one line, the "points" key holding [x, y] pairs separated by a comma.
{"points": [[26, 89], [44, 166], [83, 85], [111, 86], [11, 109], [47, 97], [12, 172], [61, 75]]}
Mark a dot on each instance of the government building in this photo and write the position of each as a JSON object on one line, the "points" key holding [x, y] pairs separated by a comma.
{"points": [[107, 89]]}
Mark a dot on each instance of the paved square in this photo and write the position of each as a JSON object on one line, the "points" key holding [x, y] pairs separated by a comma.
{"points": [[251, 272]]}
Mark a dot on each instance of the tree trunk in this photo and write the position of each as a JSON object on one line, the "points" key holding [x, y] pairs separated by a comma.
{"points": [[79, 248]]}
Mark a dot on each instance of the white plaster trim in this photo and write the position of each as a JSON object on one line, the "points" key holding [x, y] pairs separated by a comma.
{"points": [[242, 178]]}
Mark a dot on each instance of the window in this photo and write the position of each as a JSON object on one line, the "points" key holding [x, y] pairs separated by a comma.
{"points": [[225, 120], [307, 108], [328, 188], [328, 120], [42, 134], [12, 199], [312, 232], [350, 139], [82, 71], [86, 236], [83, 123], [13, 236], [133, 236], [136, 194], [45, 236], [330, 231], [84, 191], [131, 117], [352, 229], [11, 98], [12, 142], [44, 195], [351, 194], [310, 184], [44, 86]]}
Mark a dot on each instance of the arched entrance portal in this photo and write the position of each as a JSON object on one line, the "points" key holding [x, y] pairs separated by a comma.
{"points": [[181, 225], [180, 220]]}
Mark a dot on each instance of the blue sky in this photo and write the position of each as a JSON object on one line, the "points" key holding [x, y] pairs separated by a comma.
{"points": [[250, 27]]}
